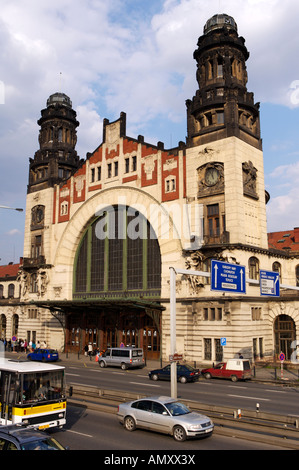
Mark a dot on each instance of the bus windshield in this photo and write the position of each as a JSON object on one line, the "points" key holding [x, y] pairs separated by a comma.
{"points": [[31, 387]]}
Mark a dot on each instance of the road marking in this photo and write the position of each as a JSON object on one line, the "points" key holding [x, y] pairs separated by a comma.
{"points": [[237, 386], [276, 391], [74, 375], [76, 383], [148, 385], [80, 433], [250, 398]]}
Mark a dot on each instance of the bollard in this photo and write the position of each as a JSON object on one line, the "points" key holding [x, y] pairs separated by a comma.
{"points": [[239, 413], [257, 407]]}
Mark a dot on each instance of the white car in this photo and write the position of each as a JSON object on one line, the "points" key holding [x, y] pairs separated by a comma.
{"points": [[165, 415]]}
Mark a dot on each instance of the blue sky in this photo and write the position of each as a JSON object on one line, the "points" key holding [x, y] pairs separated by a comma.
{"points": [[136, 56]]}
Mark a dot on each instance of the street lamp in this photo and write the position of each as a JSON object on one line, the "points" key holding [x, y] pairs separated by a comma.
{"points": [[12, 208]]}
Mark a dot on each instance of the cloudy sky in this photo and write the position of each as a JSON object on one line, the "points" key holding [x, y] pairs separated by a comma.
{"points": [[136, 56]]}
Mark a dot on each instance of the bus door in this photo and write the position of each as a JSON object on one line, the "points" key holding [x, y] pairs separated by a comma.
{"points": [[7, 392]]}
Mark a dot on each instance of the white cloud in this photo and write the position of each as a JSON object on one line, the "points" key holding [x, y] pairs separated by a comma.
{"points": [[13, 232]]}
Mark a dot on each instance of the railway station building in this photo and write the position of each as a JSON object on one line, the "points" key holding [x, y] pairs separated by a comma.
{"points": [[102, 233]]}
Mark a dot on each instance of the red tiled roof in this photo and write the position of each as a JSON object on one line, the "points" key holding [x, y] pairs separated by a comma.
{"points": [[10, 270], [288, 240]]}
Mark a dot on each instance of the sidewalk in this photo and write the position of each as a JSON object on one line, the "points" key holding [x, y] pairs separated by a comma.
{"points": [[262, 372]]}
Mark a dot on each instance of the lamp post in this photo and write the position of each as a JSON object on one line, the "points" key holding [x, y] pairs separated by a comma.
{"points": [[12, 208]]}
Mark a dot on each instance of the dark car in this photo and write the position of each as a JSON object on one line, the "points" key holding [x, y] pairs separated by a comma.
{"points": [[43, 355], [18, 437], [185, 373]]}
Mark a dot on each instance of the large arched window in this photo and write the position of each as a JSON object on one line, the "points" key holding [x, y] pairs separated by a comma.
{"points": [[118, 256]]}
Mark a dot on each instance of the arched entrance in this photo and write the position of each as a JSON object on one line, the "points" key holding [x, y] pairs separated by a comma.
{"points": [[284, 334], [117, 273]]}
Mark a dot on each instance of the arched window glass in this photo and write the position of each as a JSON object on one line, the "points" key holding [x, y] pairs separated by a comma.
{"points": [[276, 267], [253, 266], [11, 290], [118, 256]]}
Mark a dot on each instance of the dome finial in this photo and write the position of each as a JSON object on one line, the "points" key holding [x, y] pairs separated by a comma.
{"points": [[219, 21]]}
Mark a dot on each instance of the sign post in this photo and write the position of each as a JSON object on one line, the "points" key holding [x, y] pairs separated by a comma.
{"points": [[281, 358], [173, 367]]}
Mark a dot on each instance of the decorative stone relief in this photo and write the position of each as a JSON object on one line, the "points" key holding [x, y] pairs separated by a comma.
{"points": [[249, 180], [149, 166]]}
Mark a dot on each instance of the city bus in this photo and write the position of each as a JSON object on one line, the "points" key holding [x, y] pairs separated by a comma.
{"points": [[32, 394]]}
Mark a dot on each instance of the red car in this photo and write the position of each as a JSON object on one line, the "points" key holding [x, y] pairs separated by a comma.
{"points": [[233, 369]]}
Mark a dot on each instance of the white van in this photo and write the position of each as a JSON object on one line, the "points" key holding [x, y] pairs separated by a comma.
{"points": [[125, 357]]}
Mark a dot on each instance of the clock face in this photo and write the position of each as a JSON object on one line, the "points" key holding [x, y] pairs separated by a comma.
{"points": [[211, 176]]}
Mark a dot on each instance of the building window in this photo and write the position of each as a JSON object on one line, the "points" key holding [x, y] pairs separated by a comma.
{"points": [[3, 326], [99, 173], [127, 165], [256, 313], [64, 208], [207, 349], [92, 175], [33, 283], [15, 324], [115, 168], [220, 117], [170, 184], [253, 268], [1, 291], [11, 291], [109, 172], [218, 350], [297, 276], [32, 313], [276, 267], [36, 247], [212, 313], [220, 69], [213, 220], [134, 163]]}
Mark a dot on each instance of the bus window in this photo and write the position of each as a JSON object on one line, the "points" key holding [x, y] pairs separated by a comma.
{"points": [[46, 386]]}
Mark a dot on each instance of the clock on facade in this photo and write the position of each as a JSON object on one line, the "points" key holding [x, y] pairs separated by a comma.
{"points": [[211, 176]]}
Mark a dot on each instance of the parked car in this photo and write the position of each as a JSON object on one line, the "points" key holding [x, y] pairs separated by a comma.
{"points": [[234, 369], [124, 357], [43, 355], [185, 373], [18, 437], [165, 415]]}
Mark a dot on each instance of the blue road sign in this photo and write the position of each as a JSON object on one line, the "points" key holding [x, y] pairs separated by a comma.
{"points": [[227, 277], [269, 283], [223, 341]]}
